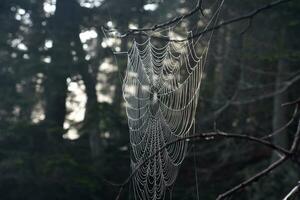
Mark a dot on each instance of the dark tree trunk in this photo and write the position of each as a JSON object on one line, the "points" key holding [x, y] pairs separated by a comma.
{"points": [[91, 120], [57, 72], [280, 112]]}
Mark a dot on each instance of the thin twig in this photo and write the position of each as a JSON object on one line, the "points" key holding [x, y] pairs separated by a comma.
{"points": [[240, 18], [253, 178], [284, 126], [286, 85], [286, 154], [266, 171], [247, 27], [217, 112], [296, 140], [292, 192], [206, 136], [297, 101], [248, 16], [162, 25]]}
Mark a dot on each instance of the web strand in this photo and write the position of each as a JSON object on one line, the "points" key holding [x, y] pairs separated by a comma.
{"points": [[161, 91], [160, 109]]}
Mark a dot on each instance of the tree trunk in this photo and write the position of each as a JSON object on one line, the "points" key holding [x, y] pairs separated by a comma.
{"points": [[91, 119], [280, 112], [57, 72]]}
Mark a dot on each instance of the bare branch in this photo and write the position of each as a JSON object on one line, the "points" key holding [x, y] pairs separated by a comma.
{"points": [[297, 101], [247, 27], [205, 136], [217, 112], [292, 192], [162, 25], [248, 16], [296, 141], [284, 126], [285, 155], [253, 178], [266, 171], [287, 85]]}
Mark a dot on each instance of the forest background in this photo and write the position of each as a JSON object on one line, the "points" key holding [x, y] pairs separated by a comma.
{"points": [[63, 128]]}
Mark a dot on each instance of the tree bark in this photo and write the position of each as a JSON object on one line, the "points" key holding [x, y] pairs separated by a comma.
{"points": [[280, 112], [91, 118], [58, 70]]}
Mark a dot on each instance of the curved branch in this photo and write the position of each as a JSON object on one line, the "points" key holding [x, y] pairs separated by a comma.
{"points": [[248, 16], [259, 175], [162, 25], [286, 154], [295, 190], [205, 136]]}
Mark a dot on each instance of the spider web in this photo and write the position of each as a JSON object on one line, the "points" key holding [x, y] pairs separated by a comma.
{"points": [[161, 88], [160, 109]]}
